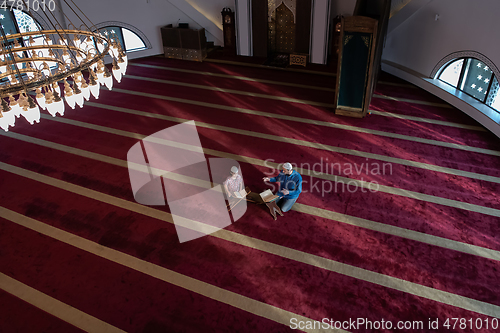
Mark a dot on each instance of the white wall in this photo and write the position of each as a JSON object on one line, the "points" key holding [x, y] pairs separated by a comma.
{"points": [[243, 18], [320, 27], [437, 29], [420, 42], [212, 8], [343, 7], [149, 16]]}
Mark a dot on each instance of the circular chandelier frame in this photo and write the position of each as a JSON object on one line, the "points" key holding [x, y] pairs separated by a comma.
{"points": [[33, 83], [25, 69]]}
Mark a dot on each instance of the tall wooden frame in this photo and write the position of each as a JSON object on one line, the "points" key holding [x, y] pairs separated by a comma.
{"points": [[355, 65]]}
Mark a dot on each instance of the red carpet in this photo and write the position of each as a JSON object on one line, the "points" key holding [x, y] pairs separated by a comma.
{"points": [[137, 302]]}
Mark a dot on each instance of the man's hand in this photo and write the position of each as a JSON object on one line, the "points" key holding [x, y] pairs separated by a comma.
{"points": [[266, 179], [285, 191]]}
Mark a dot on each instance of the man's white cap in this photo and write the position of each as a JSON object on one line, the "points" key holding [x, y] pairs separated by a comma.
{"points": [[287, 166], [234, 169]]}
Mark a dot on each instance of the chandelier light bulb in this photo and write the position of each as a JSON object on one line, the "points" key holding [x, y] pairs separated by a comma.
{"points": [[56, 88], [108, 79], [12, 78], [23, 103], [86, 44], [120, 60], [31, 110], [86, 91], [78, 95], [66, 56], [34, 114], [122, 64], [40, 98], [14, 105], [45, 69], [100, 46], [69, 95], [94, 86], [117, 71], [7, 117], [49, 98], [85, 88], [118, 75], [77, 42], [57, 106], [79, 58], [114, 49], [100, 72], [70, 100], [95, 89]]}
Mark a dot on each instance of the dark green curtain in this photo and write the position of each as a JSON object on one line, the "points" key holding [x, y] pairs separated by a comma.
{"points": [[354, 69]]}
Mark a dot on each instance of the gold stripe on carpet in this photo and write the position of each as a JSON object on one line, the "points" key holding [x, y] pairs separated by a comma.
{"points": [[231, 91], [302, 171], [202, 288], [235, 77], [313, 122], [314, 211], [214, 292], [296, 142], [286, 99], [427, 120], [414, 101], [46, 303], [268, 67], [388, 114]]}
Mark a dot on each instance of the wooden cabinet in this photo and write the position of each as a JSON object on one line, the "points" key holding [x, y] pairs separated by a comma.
{"points": [[183, 43]]}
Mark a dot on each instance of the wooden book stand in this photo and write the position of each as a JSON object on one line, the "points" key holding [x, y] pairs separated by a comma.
{"points": [[234, 201], [256, 198]]}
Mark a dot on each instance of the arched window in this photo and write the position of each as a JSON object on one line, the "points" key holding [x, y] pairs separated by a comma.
{"points": [[473, 77], [130, 40], [25, 22], [15, 21]]}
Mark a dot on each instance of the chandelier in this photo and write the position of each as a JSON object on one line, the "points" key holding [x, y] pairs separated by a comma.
{"points": [[34, 64]]}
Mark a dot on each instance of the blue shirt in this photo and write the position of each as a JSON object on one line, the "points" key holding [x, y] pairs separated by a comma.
{"points": [[293, 183]]}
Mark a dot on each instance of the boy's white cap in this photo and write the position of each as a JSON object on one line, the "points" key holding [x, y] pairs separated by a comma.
{"points": [[287, 166], [234, 169]]}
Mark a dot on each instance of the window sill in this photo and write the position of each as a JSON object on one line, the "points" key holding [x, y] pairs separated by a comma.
{"points": [[480, 112]]}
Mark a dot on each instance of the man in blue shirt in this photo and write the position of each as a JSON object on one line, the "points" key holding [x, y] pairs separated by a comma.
{"points": [[290, 186]]}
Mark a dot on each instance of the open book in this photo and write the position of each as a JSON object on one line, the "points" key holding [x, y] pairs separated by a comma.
{"points": [[241, 194], [268, 196]]}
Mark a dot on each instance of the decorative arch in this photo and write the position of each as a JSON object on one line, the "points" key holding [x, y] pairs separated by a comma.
{"points": [[464, 54], [274, 4], [126, 26]]}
